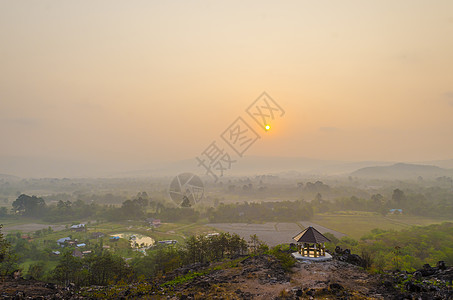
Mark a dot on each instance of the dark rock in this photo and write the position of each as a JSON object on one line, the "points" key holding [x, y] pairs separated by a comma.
{"points": [[417, 275], [413, 287], [51, 286], [427, 270], [388, 284], [441, 265], [335, 287], [70, 286], [403, 277], [19, 295]]}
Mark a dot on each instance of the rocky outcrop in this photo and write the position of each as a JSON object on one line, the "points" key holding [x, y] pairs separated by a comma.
{"points": [[425, 283], [259, 277], [268, 268], [346, 256], [31, 289]]}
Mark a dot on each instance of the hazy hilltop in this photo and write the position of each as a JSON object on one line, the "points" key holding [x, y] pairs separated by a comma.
{"points": [[253, 165], [402, 171], [447, 164], [8, 177], [32, 167], [27, 167]]}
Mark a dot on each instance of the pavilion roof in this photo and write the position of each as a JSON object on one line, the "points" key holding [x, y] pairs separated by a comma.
{"points": [[310, 235]]}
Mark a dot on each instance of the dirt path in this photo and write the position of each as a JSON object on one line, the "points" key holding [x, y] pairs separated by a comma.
{"points": [[317, 276]]}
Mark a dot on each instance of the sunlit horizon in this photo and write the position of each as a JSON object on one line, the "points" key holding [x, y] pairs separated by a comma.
{"points": [[113, 86]]}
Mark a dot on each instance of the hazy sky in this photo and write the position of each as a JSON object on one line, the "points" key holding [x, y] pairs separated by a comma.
{"points": [[148, 81]]}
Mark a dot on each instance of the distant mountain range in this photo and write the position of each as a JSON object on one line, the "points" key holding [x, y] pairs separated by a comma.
{"points": [[402, 171], [296, 166], [8, 177], [27, 167]]}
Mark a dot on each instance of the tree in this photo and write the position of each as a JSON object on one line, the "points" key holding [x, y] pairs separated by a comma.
{"points": [[132, 209], [36, 270], [8, 259], [318, 198], [68, 269], [398, 197], [255, 244], [107, 267], [29, 206], [377, 203], [191, 247], [286, 260], [396, 259], [161, 259], [185, 201], [4, 245], [3, 211]]}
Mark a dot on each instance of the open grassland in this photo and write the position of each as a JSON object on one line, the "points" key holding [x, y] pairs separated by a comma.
{"points": [[356, 224], [167, 231], [45, 239], [271, 233]]}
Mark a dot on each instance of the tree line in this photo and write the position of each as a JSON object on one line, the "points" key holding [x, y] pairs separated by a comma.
{"points": [[141, 208], [103, 266], [432, 202]]}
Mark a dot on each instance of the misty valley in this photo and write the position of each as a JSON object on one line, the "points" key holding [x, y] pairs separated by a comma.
{"points": [[115, 231]]}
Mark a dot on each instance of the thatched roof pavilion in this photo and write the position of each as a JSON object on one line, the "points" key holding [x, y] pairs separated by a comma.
{"points": [[311, 242]]}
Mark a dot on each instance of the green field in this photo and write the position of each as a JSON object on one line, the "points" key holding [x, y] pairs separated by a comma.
{"points": [[47, 239], [356, 224]]}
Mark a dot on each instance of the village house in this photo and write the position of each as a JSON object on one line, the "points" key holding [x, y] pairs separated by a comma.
{"points": [[168, 242], [71, 243], [78, 227], [209, 235], [63, 241], [26, 237], [396, 211], [153, 222]]}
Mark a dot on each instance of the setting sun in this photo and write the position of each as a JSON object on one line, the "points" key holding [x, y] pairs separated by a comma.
{"points": [[267, 127]]}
